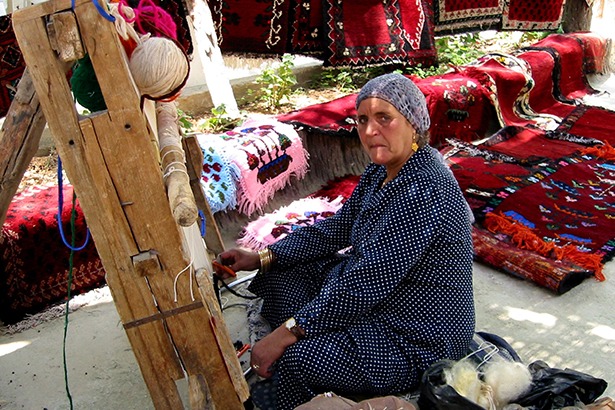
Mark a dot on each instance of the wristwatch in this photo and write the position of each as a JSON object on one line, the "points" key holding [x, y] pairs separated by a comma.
{"points": [[292, 326]]}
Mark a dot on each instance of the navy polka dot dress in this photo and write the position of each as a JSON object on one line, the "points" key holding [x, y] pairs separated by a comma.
{"points": [[383, 288]]}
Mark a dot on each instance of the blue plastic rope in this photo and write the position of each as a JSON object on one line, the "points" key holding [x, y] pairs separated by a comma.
{"points": [[100, 9], [59, 214], [203, 226]]}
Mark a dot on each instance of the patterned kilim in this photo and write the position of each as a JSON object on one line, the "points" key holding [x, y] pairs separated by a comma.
{"points": [[534, 15], [336, 116], [572, 53], [564, 208], [276, 225], [452, 16], [267, 154], [251, 26], [219, 175], [33, 258], [12, 64], [459, 107], [365, 32], [590, 122], [546, 73], [307, 27], [542, 192], [508, 81]]}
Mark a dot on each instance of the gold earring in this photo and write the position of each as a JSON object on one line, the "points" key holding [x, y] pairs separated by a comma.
{"points": [[415, 146]]}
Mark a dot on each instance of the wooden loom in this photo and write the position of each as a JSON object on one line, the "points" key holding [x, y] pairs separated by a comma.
{"points": [[110, 159]]}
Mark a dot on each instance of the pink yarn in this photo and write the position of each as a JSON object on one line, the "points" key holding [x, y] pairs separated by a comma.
{"points": [[150, 18]]}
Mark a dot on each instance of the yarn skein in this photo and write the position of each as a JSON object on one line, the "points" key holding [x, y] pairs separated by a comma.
{"points": [[159, 68], [150, 18], [85, 86]]}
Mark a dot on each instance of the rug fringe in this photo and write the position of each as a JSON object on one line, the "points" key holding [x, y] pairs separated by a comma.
{"points": [[524, 238], [605, 151]]}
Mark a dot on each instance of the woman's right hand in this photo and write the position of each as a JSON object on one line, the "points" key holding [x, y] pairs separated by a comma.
{"points": [[238, 260]]}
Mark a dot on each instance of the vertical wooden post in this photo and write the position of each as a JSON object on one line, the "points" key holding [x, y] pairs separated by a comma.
{"points": [[19, 138], [109, 159]]}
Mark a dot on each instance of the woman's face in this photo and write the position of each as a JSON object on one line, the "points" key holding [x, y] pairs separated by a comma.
{"points": [[385, 133]]}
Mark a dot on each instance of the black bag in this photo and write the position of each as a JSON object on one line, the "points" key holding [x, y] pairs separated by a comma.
{"points": [[436, 394], [556, 388]]}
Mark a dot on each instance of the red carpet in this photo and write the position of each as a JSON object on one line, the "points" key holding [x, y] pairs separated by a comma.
{"points": [[251, 26], [539, 15], [572, 54], [545, 73], [336, 116], [453, 16], [11, 64], [509, 81], [33, 259], [590, 122], [459, 107], [363, 32], [306, 26]]}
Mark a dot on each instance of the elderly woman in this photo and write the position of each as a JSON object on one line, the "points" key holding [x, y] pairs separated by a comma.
{"points": [[362, 303]]}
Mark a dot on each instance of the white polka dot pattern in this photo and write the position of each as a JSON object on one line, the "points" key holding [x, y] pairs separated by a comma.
{"points": [[399, 299]]}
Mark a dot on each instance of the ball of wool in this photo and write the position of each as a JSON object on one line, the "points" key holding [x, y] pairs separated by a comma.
{"points": [[159, 67], [85, 86]]}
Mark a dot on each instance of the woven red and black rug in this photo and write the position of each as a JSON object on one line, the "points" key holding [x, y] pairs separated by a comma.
{"points": [[251, 26], [508, 81], [362, 32], [542, 192], [34, 260], [454, 16], [337, 116], [573, 51], [307, 27], [535, 15], [459, 107], [12, 64]]}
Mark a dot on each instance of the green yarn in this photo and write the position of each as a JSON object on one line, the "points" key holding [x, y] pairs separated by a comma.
{"points": [[85, 87]]}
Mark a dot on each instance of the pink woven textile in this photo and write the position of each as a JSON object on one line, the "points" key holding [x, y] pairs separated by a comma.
{"points": [[268, 153], [274, 226]]}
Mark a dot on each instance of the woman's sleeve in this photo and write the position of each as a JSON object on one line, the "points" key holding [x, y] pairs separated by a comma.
{"points": [[399, 233], [320, 239]]}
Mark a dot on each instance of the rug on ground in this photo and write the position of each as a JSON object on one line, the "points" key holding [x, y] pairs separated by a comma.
{"points": [[34, 261], [245, 166]]}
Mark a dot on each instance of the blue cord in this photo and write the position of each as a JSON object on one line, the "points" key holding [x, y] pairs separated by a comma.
{"points": [[59, 214], [203, 226], [100, 9]]}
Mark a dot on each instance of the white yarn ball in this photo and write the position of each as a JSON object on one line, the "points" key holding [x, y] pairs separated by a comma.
{"points": [[158, 66], [508, 380]]}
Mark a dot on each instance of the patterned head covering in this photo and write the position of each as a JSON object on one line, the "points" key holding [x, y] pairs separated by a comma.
{"points": [[403, 94]]}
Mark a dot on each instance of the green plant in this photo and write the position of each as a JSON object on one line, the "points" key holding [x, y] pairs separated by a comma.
{"points": [[339, 78], [185, 122], [458, 49], [219, 121], [531, 37], [277, 83]]}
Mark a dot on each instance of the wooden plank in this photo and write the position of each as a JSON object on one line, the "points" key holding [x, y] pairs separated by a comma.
{"points": [[64, 36], [202, 266], [110, 160], [194, 162], [19, 139]]}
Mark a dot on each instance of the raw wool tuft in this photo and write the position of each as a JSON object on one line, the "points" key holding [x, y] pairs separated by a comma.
{"points": [[463, 377], [159, 67], [508, 380]]}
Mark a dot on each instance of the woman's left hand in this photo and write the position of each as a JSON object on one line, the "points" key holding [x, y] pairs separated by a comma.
{"points": [[269, 349]]}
